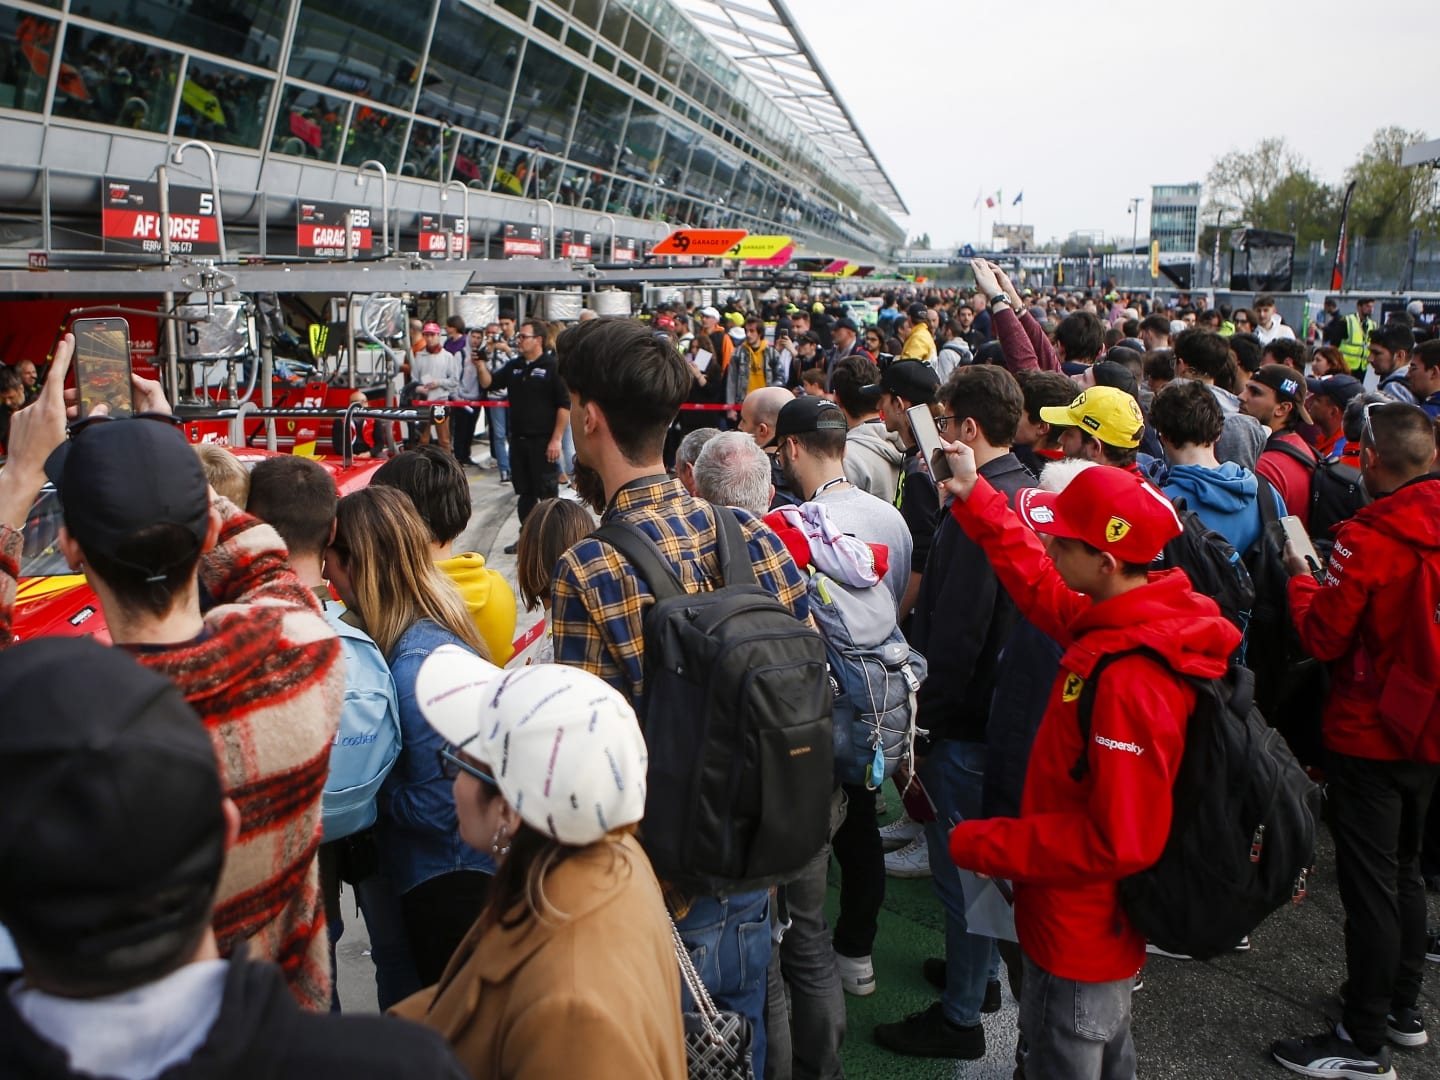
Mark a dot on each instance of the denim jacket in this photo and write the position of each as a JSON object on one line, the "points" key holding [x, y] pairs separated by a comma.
{"points": [[419, 834]]}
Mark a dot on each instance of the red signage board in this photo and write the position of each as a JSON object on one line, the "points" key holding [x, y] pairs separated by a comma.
{"points": [[523, 240], [573, 246], [437, 234], [699, 242], [130, 219], [320, 231], [625, 250]]}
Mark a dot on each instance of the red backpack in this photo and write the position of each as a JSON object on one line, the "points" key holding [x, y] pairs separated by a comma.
{"points": [[1410, 700]]}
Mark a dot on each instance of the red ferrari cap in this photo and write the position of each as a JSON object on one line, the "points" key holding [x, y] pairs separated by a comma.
{"points": [[431, 328], [1108, 508]]}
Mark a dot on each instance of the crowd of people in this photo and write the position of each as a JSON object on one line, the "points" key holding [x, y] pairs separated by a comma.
{"points": [[597, 862]]}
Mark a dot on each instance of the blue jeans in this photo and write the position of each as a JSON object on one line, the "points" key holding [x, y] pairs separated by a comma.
{"points": [[567, 452], [499, 421], [954, 778], [1076, 1030], [729, 941], [805, 1007]]}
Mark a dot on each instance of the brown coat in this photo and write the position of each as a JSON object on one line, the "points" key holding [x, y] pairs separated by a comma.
{"points": [[593, 993]]}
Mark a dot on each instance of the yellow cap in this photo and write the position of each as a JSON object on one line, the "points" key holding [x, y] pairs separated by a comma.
{"points": [[1109, 414]]}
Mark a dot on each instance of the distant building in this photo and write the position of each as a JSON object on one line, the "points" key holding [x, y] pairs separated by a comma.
{"points": [[1175, 217], [1013, 237]]}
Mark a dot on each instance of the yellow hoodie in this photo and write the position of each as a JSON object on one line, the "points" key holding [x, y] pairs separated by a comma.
{"points": [[489, 598]]}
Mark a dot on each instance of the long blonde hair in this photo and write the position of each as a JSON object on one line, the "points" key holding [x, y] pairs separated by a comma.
{"points": [[385, 546]]}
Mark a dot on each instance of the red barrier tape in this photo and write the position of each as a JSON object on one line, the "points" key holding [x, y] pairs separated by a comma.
{"points": [[525, 640]]}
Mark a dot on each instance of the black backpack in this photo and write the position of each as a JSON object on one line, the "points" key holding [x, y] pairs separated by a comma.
{"points": [[1244, 824], [1336, 493], [1273, 650], [1212, 564], [737, 723]]}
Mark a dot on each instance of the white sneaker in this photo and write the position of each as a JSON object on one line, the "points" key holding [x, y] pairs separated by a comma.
{"points": [[911, 861], [857, 975], [1156, 950], [900, 832]]}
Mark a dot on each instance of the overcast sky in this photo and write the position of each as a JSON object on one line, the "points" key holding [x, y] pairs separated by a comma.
{"points": [[960, 98]]}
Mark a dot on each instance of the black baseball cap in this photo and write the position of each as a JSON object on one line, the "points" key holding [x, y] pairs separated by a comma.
{"points": [[916, 312], [117, 477], [846, 323], [806, 414], [913, 380], [112, 832], [1288, 385]]}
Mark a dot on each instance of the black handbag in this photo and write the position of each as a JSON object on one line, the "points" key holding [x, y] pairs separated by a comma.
{"points": [[718, 1044]]}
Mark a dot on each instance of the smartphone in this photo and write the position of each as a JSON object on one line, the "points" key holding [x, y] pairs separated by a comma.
{"points": [[1295, 533], [927, 436], [102, 366]]}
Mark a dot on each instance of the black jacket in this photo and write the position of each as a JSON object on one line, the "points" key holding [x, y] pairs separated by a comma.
{"points": [[962, 620], [260, 1034]]}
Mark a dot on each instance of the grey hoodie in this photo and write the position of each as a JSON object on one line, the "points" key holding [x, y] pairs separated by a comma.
{"points": [[1243, 437], [872, 460]]}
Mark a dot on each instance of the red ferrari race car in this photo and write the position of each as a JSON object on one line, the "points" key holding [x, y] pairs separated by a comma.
{"points": [[51, 600]]}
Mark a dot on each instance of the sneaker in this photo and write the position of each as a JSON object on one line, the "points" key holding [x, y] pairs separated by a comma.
{"points": [[900, 832], [1329, 1055], [930, 1034], [504, 476], [1406, 1027], [1139, 981], [1156, 950], [510, 549], [1243, 945], [911, 861], [1432, 945], [857, 975]]}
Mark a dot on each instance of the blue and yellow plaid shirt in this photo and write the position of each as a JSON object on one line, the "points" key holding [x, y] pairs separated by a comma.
{"points": [[598, 603]]}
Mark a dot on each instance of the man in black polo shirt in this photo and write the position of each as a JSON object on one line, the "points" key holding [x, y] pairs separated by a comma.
{"points": [[539, 413]]}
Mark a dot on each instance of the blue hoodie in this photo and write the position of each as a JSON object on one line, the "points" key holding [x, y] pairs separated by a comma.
{"points": [[1224, 498]]}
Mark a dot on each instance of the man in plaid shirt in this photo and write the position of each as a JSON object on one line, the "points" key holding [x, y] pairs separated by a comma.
{"points": [[626, 387]]}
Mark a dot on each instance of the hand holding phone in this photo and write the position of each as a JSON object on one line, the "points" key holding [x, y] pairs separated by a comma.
{"points": [[102, 367], [927, 436], [1300, 554]]}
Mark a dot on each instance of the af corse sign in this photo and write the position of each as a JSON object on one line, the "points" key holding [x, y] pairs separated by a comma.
{"points": [[130, 219], [320, 230]]}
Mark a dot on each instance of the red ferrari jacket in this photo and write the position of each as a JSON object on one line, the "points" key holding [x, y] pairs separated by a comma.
{"points": [[1363, 608], [1074, 841]]}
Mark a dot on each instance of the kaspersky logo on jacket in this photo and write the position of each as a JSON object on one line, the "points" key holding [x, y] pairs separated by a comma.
{"points": [[1112, 744]]}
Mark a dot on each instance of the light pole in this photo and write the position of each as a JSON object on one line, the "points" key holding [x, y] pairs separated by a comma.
{"points": [[384, 200], [205, 148], [1135, 201]]}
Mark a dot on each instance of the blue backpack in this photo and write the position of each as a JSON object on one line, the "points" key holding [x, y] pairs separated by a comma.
{"points": [[874, 676], [368, 740]]}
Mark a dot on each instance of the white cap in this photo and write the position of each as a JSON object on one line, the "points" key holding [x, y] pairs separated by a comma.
{"points": [[709, 313], [564, 747], [1415, 307], [737, 333]]}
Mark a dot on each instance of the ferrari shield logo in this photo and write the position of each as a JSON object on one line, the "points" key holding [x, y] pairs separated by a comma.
{"points": [[1073, 685], [1116, 529]]}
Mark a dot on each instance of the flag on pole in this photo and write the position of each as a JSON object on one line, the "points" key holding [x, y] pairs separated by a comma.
{"points": [[1337, 274], [989, 203], [999, 198], [1018, 198]]}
